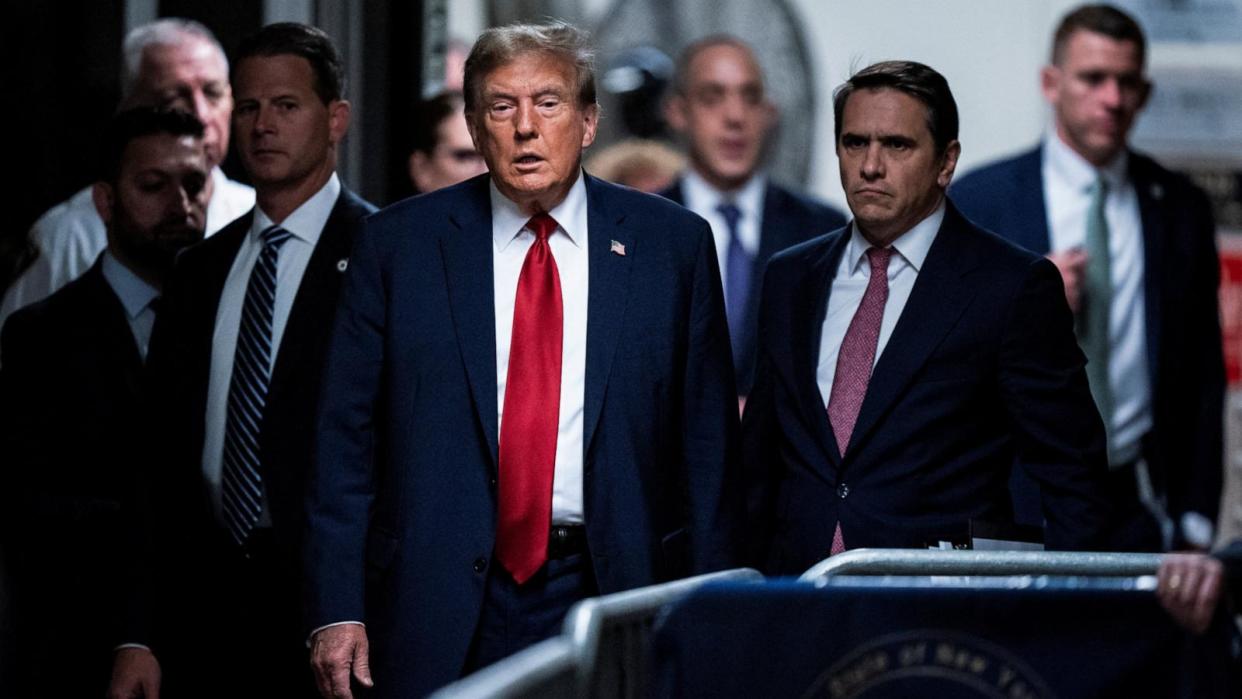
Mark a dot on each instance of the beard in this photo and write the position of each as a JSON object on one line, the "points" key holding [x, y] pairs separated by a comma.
{"points": [[154, 249]]}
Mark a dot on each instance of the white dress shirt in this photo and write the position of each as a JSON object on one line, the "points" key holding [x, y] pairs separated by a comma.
{"points": [[71, 235], [136, 296], [850, 282], [1068, 180], [305, 224], [703, 199], [511, 240]]}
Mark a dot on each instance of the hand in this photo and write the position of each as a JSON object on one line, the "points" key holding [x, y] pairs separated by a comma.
{"points": [[336, 653], [1189, 586], [1073, 265], [135, 675]]}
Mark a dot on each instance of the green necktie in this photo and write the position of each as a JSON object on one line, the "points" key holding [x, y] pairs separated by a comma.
{"points": [[1097, 299]]}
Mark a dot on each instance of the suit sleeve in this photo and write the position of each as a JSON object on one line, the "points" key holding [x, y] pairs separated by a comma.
{"points": [[342, 482], [1195, 485], [1058, 433], [711, 433], [760, 460]]}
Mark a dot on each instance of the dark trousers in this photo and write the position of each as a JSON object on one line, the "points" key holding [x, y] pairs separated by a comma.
{"points": [[245, 637], [1133, 527], [517, 616]]}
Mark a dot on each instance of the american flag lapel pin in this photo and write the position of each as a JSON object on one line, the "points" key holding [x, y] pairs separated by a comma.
{"points": [[617, 248]]}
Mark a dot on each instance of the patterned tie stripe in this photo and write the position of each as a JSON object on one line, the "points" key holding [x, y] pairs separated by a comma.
{"points": [[241, 482]]}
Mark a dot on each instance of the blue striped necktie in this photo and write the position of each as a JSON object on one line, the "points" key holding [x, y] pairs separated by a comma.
{"points": [[738, 268], [241, 482]]}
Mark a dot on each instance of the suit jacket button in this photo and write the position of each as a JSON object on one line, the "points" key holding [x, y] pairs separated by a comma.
{"points": [[480, 565], [843, 491]]}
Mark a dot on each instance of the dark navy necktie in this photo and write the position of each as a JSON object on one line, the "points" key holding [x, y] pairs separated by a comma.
{"points": [[241, 483]]}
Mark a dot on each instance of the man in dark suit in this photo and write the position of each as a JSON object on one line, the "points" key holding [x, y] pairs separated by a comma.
{"points": [[1136, 248], [529, 398], [971, 343], [235, 370], [71, 413], [719, 107]]}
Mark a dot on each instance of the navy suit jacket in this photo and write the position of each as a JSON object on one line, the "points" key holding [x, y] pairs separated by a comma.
{"points": [[788, 219], [70, 416], [982, 368], [1182, 273], [179, 368], [403, 499]]}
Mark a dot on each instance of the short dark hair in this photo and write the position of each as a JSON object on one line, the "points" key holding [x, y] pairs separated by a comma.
{"points": [[915, 79], [295, 39], [1100, 19], [431, 113], [681, 68], [137, 122], [500, 45]]}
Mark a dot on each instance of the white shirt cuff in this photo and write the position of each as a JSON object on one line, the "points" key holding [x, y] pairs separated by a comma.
{"points": [[327, 626], [1197, 530]]}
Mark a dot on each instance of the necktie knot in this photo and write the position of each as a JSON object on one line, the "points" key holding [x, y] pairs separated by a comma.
{"points": [[732, 215], [275, 236], [542, 225], [879, 257]]}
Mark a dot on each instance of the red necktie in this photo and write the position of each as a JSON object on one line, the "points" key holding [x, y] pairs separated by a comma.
{"points": [[531, 417], [856, 359]]}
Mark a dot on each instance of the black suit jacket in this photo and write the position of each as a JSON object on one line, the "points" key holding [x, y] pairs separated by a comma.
{"points": [[982, 368], [71, 413], [788, 219], [1182, 273], [179, 368]]}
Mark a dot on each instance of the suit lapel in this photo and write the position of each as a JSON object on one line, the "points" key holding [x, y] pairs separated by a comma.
{"points": [[607, 295], [810, 307], [468, 271], [936, 303], [321, 281], [1151, 206]]}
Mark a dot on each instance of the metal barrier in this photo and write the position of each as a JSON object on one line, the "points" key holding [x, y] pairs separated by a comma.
{"points": [[611, 634], [547, 669], [983, 563]]}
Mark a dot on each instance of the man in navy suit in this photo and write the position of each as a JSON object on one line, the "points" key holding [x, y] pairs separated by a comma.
{"points": [[1136, 248], [719, 106], [529, 398], [235, 368], [907, 360], [71, 410]]}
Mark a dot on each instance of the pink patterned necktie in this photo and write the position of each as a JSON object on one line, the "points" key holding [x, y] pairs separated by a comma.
{"points": [[856, 359]]}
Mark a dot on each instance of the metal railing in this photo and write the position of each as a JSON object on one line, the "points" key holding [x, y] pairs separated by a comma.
{"points": [[983, 563], [545, 670], [611, 635]]}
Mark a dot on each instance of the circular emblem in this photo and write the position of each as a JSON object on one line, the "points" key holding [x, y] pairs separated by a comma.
{"points": [[929, 663]]}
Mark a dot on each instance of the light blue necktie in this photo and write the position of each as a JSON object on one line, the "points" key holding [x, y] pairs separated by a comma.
{"points": [[738, 267], [1095, 310]]}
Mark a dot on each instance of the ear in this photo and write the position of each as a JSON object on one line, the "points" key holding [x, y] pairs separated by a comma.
{"points": [[771, 115], [675, 112], [591, 121], [1050, 83], [1148, 87], [949, 164], [417, 166], [338, 120], [103, 197]]}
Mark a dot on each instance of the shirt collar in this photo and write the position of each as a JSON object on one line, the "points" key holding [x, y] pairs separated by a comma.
{"points": [[133, 291], [508, 220], [912, 246], [307, 221], [1071, 168], [702, 196]]}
